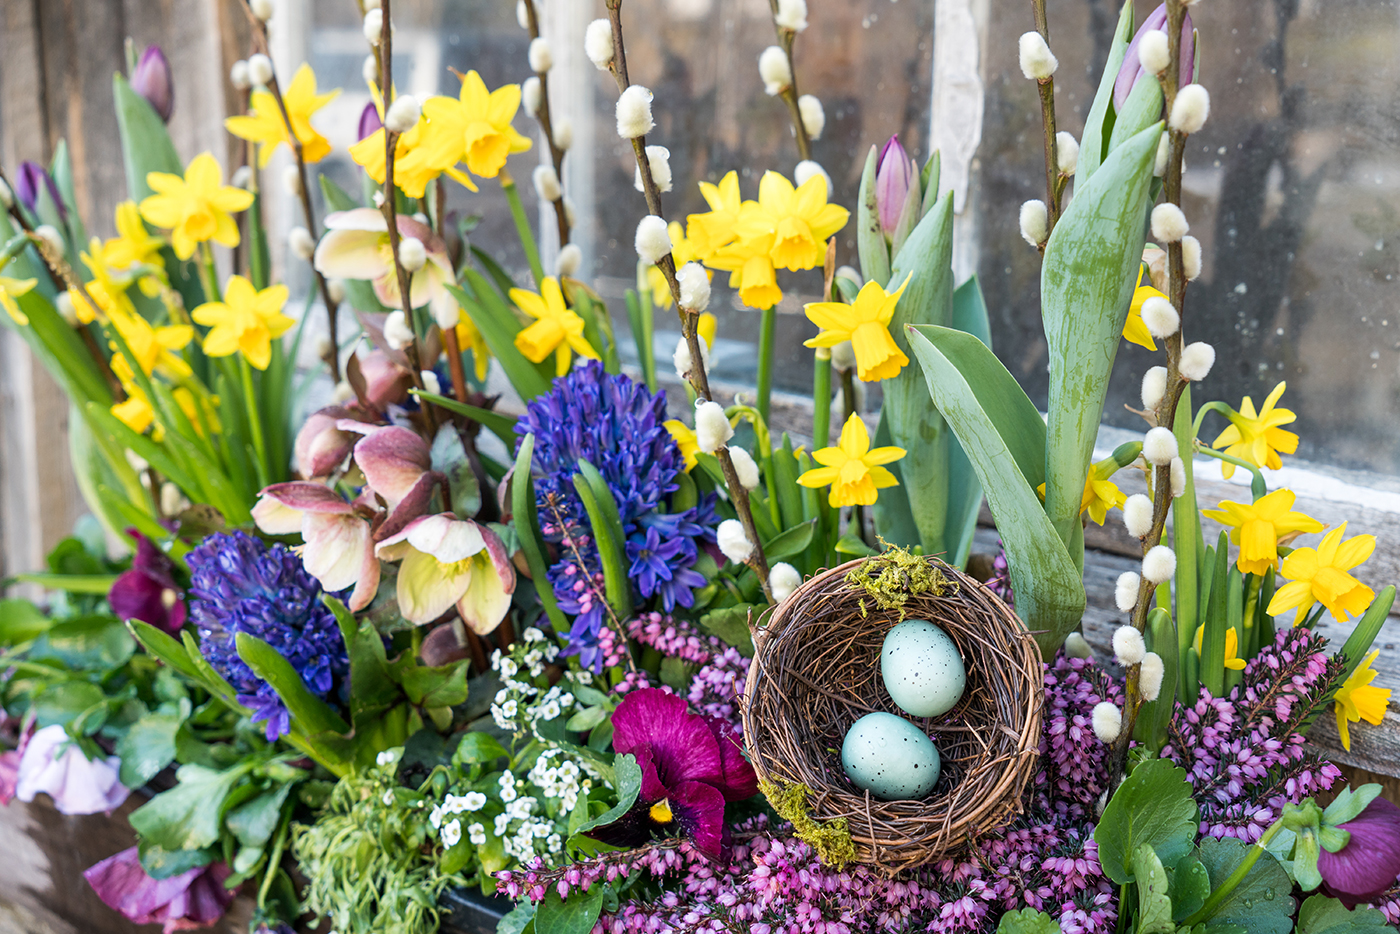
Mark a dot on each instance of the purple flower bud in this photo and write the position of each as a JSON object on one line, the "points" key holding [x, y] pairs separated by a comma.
{"points": [[31, 176], [1132, 71], [151, 79], [893, 177], [1370, 861], [369, 121]]}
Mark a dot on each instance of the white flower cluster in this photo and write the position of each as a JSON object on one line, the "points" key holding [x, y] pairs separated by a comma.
{"points": [[521, 703], [523, 827], [560, 777], [470, 802]]}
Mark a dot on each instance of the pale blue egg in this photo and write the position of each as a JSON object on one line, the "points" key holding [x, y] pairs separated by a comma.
{"points": [[891, 757], [922, 669]]}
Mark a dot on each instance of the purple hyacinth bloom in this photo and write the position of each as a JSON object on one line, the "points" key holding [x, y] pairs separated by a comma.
{"points": [[1131, 71], [151, 79], [32, 177], [148, 591], [240, 584], [369, 121], [893, 176], [651, 559], [1370, 862]]}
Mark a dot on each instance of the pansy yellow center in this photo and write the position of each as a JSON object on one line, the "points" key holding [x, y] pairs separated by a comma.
{"points": [[661, 812]]}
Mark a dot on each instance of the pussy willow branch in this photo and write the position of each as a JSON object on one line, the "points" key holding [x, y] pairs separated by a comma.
{"points": [[789, 94], [1166, 408], [332, 359], [556, 155], [1053, 188], [690, 318], [588, 581]]}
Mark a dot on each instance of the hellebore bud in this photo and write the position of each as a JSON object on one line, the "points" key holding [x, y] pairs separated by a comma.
{"points": [[151, 79]]}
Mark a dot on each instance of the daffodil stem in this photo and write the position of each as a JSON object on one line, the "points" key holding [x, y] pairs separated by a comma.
{"points": [[522, 227], [255, 427], [1238, 462], [821, 399], [274, 860], [768, 321], [211, 273], [1212, 406]]}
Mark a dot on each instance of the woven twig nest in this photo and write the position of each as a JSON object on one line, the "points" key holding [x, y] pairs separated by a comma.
{"points": [[816, 670]]}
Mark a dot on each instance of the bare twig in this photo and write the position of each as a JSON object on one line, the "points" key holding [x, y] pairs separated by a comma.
{"points": [[1053, 188], [790, 93], [556, 155]]}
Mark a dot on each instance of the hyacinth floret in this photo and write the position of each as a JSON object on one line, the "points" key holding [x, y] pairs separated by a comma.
{"points": [[239, 583]]}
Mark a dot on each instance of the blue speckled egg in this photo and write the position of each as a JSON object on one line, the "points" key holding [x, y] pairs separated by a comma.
{"points": [[891, 757], [922, 669]]}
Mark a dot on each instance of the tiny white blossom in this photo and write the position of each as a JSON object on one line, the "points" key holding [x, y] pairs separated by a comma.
{"points": [[476, 833], [451, 832]]}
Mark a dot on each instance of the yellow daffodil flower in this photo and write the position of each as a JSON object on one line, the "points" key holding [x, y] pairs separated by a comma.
{"points": [[1357, 699], [419, 157], [682, 251], [706, 327], [1134, 330], [153, 346], [109, 294], [685, 440], [481, 120], [133, 245], [266, 127], [1258, 527], [1232, 647], [136, 411], [1320, 575], [195, 208], [1100, 493], [750, 272], [556, 329], [245, 321], [798, 219], [1256, 436], [715, 228], [851, 468], [11, 289], [866, 324], [469, 338]]}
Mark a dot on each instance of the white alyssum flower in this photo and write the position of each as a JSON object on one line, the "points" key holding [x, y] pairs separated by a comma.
{"points": [[598, 44], [541, 55], [1196, 361], [1159, 564], [563, 134], [474, 801], [1150, 676], [1037, 61], [1153, 52], [1190, 110], [809, 106], [652, 240], [413, 255], [1168, 223], [373, 25], [1067, 153], [1160, 317], [260, 69], [431, 383], [634, 112], [774, 69], [659, 161], [1076, 646], [547, 185], [397, 333], [1137, 515], [238, 75], [1154, 386], [1125, 591], [476, 833], [745, 468], [712, 428], [1159, 446], [451, 832], [1108, 721], [403, 114], [683, 360], [792, 14], [301, 243], [387, 798], [387, 757], [530, 95], [783, 579], [1128, 646], [1178, 472], [1191, 257], [1164, 143], [806, 169], [734, 541], [570, 258], [1035, 222], [695, 287]]}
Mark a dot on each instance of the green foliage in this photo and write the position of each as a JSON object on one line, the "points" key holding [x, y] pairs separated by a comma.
{"points": [[1027, 921], [891, 578], [575, 915], [1153, 806], [1260, 904], [628, 781], [831, 839], [1154, 914], [188, 816], [1323, 915]]}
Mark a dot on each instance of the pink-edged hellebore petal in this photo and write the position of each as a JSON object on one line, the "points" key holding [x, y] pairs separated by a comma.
{"points": [[393, 460], [386, 381], [193, 899], [321, 446], [76, 784], [281, 507], [274, 517], [354, 245], [445, 537], [487, 599], [680, 742], [427, 588], [336, 548]]}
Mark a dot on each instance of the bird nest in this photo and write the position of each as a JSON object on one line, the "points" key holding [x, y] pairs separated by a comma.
{"points": [[816, 670]]}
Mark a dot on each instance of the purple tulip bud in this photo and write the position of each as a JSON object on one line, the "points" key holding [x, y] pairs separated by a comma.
{"points": [[892, 180], [1370, 861], [31, 176], [369, 121], [1132, 71], [151, 79]]}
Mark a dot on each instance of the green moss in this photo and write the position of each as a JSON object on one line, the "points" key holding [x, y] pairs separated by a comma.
{"points": [[892, 577], [830, 839]]}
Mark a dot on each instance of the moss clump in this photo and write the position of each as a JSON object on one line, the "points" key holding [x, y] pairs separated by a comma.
{"points": [[830, 839], [894, 576]]}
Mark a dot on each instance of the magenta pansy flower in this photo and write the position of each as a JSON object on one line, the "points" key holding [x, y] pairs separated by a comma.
{"points": [[193, 899], [1370, 862], [148, 591]]}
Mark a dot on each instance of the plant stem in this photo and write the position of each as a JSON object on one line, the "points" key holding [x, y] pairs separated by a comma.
{"points": [[821, 398], [1224, 889], [274, 860], [768, 319], [522, 226], [546, 121], [789, 94], [1046, 86], [211, 273], [250, 401]]}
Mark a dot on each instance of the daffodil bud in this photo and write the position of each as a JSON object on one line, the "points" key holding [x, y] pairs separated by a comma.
{"points": [[659, 161], [1150, 676], [598, 44], [783, 579], [541, 55], [712, 428], [446, 314], [1125, 591], [774, 69], [1137, 515], [1154, 386], [260, 69], [1067, 153], [1107, 720], [1159, 446], [431, 383], [792, 14], [301, 243], [734, 541], [242, 177], [291, 181], [547, 183], [1159, 168], [1191, 257], [1168, 223], [1153, 52], [570, 258], [64, 303], [843, 357], [1128, 646], [1178, 474], [262, 9], [684, 361], [1159, 564], [530, 95], [1190, 110], [1076, 646], [412, 254], [1160, 317], [403, 114], [563, 134], [369, 71], [634, 112], [652, 241], [238, 76], [809, 107], [1037, 61], [744, 468], [808, 168], [1196, 361], [373, 26], [397, 333], [1035, 221], [695, 287]]}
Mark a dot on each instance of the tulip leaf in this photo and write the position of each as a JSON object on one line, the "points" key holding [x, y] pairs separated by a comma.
{"points": [[1367, 628], [964, 490], [870, 238], [1093, 146], [1153, 806], [1142, 109], [527, 529], [498, 326], [146, 145], [1321, 914], [309, 711], [608, 534], [1260, 904], [1005, 441], [1086, 285]]}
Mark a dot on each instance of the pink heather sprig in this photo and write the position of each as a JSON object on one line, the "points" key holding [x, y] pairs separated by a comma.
{"points": [[716, 687], [674, 638], [632, 681], [611, 647]]}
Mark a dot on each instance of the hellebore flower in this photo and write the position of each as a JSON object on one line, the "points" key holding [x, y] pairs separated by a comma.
{"points": [[55, 765], [196, 207], [356, 246], [266, 127], [321, 445], [893, 179], [1131, 71], [151, 79], [246, 321], [195, 898], [1256, 436], [148, 591], [851, 468], [446, 560], [338, 549], [32, 179], [866, 324], [397, 466], [386, 381], [1257, 528], [1322, 574], [1370, 861], [691, 765]]}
